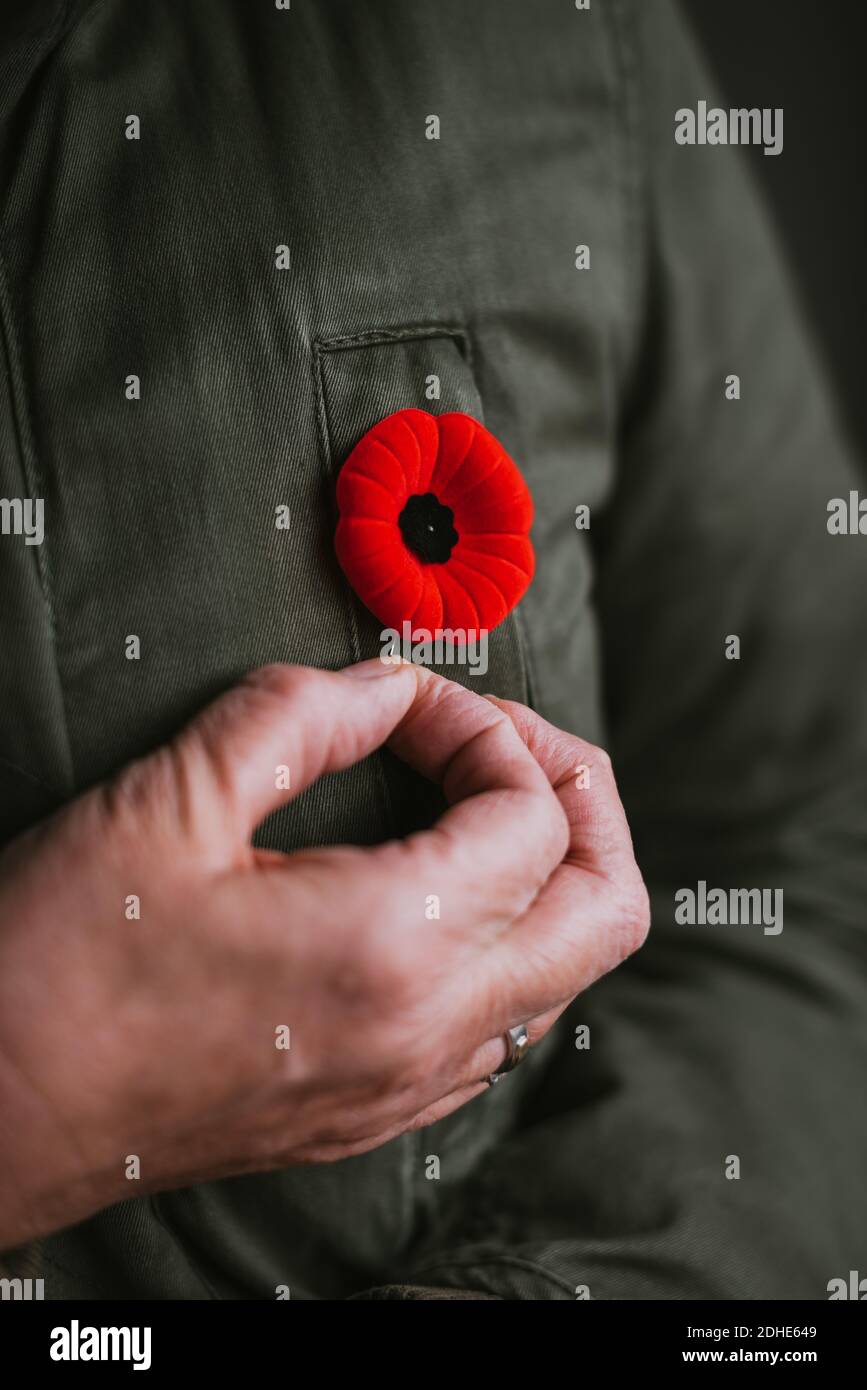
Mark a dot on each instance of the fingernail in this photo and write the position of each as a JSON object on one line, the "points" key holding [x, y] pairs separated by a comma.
{"points": [[494, 699], [372, 670]]}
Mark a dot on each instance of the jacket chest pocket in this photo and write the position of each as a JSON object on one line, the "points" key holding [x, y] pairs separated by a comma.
{"points": [[359, 381]]}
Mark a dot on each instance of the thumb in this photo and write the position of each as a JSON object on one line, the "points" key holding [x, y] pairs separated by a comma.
{"points": [[266, 740]]}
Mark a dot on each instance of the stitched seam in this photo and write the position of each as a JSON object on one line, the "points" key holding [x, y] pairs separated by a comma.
{"points": [[531, 684], [633, 182], [410, 333], [62, 26], [153, 1201], [22, 772], [49, 1259], [22, 424], [510, 1261], [24, 433], [325, 455], [70, 15], [527, 677]]}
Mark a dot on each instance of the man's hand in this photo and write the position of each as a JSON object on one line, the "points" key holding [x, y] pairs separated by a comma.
{"points": [[158, 1037]]}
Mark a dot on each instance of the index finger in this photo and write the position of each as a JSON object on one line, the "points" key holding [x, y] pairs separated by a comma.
{"points": [[505, 831], [593, 911]]}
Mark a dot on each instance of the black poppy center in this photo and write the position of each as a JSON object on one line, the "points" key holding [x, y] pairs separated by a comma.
{"points": [[427, 527]]}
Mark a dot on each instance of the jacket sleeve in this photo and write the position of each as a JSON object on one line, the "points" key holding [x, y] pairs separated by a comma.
{"points": [[740, 773], [749, 769], [710, 1139]]}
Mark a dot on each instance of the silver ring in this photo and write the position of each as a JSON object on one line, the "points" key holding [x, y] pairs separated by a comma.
{"points": [[517, 1047]]}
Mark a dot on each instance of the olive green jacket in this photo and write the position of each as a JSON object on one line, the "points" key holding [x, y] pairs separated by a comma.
{"points": [[604, 1169]]}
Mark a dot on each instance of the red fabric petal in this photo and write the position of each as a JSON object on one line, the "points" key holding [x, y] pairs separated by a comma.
{"points": [[510, 574], [424, 427], [358, 495], [487, 595], [459, 610], [456, 434], [483, 459], [429, 611], [515, 550], [374, 461], [399, 597], [505, 510], [362, 538]]}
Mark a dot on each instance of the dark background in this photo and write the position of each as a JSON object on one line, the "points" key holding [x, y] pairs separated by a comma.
{"points": [[808, 56]]}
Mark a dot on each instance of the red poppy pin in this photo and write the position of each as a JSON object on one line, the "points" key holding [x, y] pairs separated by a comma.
{"points": [[434, 523]]}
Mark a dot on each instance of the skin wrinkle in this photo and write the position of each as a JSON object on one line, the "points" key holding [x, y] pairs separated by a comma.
{"points": [[34, 1089], [450, 775]]}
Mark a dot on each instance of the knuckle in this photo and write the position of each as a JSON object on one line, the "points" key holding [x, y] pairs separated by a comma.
{"points": [[376, 977], [602, 761], [253, 700], [635, 916], [596, 759], [395, 982], [139, 804], [278, 678], [355, 983]]}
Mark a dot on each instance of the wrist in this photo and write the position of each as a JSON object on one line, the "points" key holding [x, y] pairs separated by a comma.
{"points": [[44, 1181]]}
